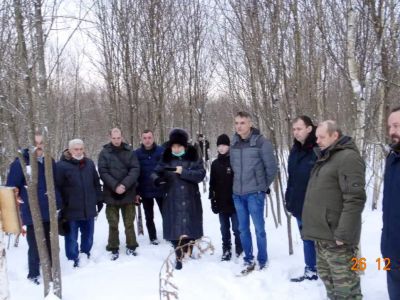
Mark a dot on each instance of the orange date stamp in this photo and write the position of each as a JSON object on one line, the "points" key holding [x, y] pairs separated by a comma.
{"points": [[360, 264]]}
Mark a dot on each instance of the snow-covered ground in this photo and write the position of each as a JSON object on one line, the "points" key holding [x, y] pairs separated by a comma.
{"points": [[204, 278]]}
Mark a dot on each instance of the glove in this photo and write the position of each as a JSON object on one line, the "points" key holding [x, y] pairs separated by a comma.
{"points": [[138, 200], [214, 206], [99, 207]]}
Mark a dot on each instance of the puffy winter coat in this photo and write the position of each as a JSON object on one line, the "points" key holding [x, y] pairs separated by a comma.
{"points": [[118, 166], [182, 210], [390, 241], [221, 183], [301, 161], [253, 163], [148, 160], [80, 187], [16, 178], [335, 196]]}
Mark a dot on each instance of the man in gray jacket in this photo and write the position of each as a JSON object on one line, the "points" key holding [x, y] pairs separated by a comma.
{"points": [[254, 167]]}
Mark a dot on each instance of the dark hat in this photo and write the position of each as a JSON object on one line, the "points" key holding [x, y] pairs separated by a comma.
{"points": [[223, 139], [178, 136]]}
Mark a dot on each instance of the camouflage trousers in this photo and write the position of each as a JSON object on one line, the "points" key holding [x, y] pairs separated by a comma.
{"points": [[128, 217], [334, 268]]}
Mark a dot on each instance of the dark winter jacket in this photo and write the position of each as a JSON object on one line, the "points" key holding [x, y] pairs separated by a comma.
{"points": [[16, 178], [335, 196], [80, 187], [118, 166], [148, 160], [390, 242], [221, 182], [182, 211], [301, 160], [253, 163]]}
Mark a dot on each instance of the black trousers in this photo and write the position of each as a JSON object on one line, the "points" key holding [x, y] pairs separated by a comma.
{"points": [[148, 204], [33, 253]]}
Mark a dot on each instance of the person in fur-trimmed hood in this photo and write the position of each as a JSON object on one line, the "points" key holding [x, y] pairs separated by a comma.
{"points": [[179, 173]]}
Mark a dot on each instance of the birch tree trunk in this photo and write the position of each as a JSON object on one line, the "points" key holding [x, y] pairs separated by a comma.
{"points": [[357, 89], [4, 292]]}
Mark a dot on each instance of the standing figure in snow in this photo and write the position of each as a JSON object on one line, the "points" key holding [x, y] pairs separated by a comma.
{"points": [[149, 154], [333, 205], [301, 161], [220, 194], [203, 147], [390, 242], [254, 166], [80, 188], [16, 179], [119, 170], [179, 173]]}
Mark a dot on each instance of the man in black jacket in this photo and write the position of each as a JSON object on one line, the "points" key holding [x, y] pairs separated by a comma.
{"points": [[79, 184], [119, 170], [221, 182], [300, 163]]}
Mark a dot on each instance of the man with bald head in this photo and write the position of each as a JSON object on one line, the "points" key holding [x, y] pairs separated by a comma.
{"points": [[334, 201], [119, 170]]}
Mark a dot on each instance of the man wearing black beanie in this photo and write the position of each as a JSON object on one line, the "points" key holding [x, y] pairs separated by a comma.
{"points": [[221, 182]]}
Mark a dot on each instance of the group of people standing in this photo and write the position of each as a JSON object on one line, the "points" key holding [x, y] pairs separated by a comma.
{"points": [[325, 193]]}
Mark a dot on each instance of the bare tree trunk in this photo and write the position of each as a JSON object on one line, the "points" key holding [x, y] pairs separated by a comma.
{"points": [[358, 90], [4, 292]]}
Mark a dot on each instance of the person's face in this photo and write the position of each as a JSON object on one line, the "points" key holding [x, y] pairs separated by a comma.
{"points": [[242, 126], [324, 140], [147, 140], [301, 131], [176, 148], [39, 145], [394, 127], [77, 151], [116, 138], [223, 149]]}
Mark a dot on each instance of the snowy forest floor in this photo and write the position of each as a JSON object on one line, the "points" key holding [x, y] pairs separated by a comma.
{"points": [[204, 278]]}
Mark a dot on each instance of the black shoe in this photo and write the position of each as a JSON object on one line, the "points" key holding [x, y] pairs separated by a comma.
{"points": [[154, 242], [248, 268], [309, 274], [239, 252], [131, 252], [114, 255], [178, 265], [76, 262], [34, 279], [226, 256]]}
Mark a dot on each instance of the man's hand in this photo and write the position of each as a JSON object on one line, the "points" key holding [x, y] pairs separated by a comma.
{"points": [[339, 243], [138, 200], [179, 170], [120, 189]]}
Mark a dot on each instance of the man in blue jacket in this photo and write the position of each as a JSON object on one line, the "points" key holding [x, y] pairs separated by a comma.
{"points": [[16, 179], [390, 242], [80, 188], [149, 154], [301, 160], [254, 168]]}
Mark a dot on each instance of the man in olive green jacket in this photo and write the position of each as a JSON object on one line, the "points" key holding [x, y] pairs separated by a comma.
{"points": [[334, 201]]}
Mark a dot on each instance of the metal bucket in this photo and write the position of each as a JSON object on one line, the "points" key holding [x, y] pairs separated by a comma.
{"points": [[9, 211]]}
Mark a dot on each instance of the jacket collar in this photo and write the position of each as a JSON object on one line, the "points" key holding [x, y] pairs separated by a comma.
{"points": [[252, 139]]}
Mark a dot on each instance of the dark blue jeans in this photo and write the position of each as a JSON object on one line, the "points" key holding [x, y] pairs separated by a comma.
{"points": [[393, 280], [252, 205], [148, 204], [225, 221], [33, 252], [310, 256], [86, 227]]}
